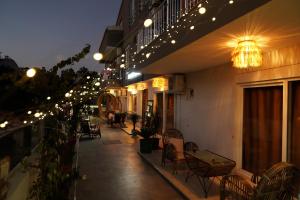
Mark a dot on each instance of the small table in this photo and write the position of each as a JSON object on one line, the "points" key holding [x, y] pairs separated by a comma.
{"points": [[210, 165]]}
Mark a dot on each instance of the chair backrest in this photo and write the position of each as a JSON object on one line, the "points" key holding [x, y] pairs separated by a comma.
{"points": [[171, 133], [170, 152], [190, 146], [85, 127], [276, 182]]}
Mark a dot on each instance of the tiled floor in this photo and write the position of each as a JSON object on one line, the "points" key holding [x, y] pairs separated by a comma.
{"points": [[192, 189], [114, 170]]}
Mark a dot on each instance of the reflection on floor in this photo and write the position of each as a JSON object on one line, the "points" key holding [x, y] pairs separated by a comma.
{"points": [[191, 189], [114, 170]]}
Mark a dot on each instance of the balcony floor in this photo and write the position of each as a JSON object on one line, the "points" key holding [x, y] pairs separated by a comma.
{"points": [[114, 170]]}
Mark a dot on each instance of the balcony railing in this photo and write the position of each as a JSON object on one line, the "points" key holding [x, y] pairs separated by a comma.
{"points": [[164, 17]]}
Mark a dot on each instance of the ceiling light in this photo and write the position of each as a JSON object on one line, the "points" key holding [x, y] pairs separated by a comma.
{"points": [[247, 54]]}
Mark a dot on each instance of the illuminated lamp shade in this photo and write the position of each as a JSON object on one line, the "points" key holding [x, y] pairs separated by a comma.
{"points": [[98, 56], [159, 83], [130, 88], [141, 86], [148, 22], [30, 72], [247, 54]]}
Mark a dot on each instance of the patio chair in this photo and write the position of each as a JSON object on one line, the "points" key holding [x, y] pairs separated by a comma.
{"points": [[191, 162], [85, 130], [275, 184], [172, 142]]}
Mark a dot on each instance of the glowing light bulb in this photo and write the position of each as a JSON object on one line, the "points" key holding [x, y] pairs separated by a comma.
{"points": [[48, 98], [213, 19], [192, 27], [30, 73], [202, 10], [122, 65], [148, 55], [148, 22], [231, 2], [173, 41], [98, 56], [29, 112], [37, 115], [25, 122]]}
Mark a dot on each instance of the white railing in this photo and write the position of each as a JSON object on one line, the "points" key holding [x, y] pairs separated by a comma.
{"points": [[164, 17]]}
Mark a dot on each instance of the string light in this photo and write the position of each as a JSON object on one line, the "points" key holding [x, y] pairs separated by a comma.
{"points": [[29, 112], [48, 98], [98, 56], [202, 10], [148, 22], [30, 73]]}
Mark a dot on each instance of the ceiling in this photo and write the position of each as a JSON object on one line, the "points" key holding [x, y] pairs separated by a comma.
{"points": [[275, 24]]}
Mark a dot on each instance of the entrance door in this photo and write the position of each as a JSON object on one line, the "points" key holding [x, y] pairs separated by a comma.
{"points": [[170, 111], [159, 110]]}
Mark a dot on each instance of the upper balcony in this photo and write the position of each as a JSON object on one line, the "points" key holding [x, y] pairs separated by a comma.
{"points": [[112, 40], [179, 23]]}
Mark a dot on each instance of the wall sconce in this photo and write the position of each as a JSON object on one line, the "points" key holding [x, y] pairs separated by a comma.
{"points": [[247, 54]]}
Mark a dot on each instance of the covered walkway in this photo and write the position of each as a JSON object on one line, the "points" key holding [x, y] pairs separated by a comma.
{"points": [[114, 170]]}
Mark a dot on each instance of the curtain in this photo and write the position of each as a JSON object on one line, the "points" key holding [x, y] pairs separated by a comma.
{"points": [[262, 128], [295, 125]]}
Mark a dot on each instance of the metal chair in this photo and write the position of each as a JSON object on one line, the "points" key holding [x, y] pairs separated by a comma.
{"points": [[191, 162], [275, 184], [169, 151]]}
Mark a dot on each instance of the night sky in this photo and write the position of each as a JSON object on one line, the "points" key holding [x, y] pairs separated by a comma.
{"points": [[42, 32]]}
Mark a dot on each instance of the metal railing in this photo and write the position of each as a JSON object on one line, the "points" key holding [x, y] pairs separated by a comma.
{"points": [[164, 17]]}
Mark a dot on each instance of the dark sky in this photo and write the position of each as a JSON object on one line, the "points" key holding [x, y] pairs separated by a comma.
{"points": [[42, 32]]}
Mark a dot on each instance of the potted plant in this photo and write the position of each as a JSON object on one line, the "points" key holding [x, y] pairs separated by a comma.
{"points": [[155, 126], [146, 143], [134, 118]]}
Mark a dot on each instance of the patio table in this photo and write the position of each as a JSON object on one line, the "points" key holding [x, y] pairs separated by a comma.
{"points": [[211, 165]]}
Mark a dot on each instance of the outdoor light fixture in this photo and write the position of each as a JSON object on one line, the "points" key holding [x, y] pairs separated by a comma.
{"points": [[98, 56], [141, 86], [30, 72], [202, 10], [97, 84], [160, 83], [3, 125], [37, 115], [247, 54], [133, 75], [148, 22]]}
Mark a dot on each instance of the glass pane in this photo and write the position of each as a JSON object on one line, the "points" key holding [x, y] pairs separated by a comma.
{"points": [[294, 137], [262, 128]]}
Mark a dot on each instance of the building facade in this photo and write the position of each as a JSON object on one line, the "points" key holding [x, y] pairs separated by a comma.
{"points": [[196, 50]]}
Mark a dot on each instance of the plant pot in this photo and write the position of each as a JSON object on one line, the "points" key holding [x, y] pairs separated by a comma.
{"points": [[146, 145], [155, 143]]}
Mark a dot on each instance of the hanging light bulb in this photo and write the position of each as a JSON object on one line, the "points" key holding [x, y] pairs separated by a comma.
{"points": [[202, 10], [148, 22], [30, 73], [98, 56]]}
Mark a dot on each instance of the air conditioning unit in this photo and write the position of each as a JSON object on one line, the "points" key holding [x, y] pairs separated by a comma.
{"points": [[177, 84]]}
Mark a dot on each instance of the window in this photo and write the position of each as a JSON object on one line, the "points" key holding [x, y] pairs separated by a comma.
{"points": [[294, 128], [262, 128]]}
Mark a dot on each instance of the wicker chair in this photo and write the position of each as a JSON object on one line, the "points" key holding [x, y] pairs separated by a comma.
{"points": [[169, 151], [275, 184]]}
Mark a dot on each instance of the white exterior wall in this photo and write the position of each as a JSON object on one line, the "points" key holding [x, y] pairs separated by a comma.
{"points": [[213, 117], [208, 117]]}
